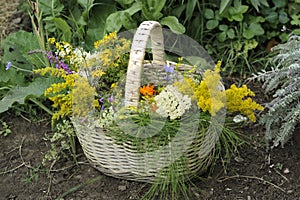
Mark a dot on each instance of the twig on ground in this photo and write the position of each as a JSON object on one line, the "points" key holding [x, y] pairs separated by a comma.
{"points": [[280, 174], [19, 166], [13, 169], [20, 153], [222, 179]]}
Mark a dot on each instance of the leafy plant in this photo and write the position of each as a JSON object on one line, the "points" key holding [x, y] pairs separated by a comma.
{"points": [[284, 81], [62, 144], [17, 82], [75, 21], [140, 10], [33, 176], [5, 130]]}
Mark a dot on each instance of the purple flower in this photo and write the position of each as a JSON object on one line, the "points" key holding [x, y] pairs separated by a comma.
{"points": [[8, 65], [168, 78], [111, 98], [58, 64], [169, 69], [101, 100]]}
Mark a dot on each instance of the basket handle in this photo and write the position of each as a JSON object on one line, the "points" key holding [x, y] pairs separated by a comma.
{"points": [[146, 29]]}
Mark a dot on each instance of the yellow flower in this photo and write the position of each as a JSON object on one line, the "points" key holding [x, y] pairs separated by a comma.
{"points": [[106, 57], [187, 86], [108, 38], [209, 100], [98, 73], [59, 92], [51, 40], [236, 101], [83, 97], [113, 86], [208, 93]]}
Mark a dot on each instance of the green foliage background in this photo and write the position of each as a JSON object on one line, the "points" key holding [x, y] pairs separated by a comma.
{"points": [[234, 31]]}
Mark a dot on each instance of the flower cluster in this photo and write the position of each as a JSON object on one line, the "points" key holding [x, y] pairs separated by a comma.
{"points": [[212, 97], [85, 82], [236, 101], [171, 103], [59, 92], [88, 75]]}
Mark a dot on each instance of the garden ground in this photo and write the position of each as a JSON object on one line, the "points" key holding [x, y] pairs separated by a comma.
{"points": [[253, 174]]}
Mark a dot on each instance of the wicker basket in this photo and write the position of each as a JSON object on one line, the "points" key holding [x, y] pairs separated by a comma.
{"points": [[124, 160]]}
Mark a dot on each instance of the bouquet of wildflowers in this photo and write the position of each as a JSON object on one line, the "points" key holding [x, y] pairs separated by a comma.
{"points": [[90, 90]]}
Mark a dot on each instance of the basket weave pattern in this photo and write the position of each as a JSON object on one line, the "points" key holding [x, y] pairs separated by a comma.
{"points": [[124, 160]]}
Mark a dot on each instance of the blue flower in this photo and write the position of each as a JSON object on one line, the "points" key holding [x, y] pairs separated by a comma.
{"points": [[169, 69], [8, 65]]}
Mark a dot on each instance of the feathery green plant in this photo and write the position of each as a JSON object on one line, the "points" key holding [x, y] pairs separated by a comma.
{"points": [[284, 80]]}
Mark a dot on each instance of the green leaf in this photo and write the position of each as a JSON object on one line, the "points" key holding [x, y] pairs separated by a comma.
{"points": [[224, 4], [158, 5], [230, 33], [209, 13], [20, 94], [97, 23], [127, 21], [149, 11], [178, 11], [255, 4], [221, 36], [295, 20], [190, 9], [237, 12], [264, 2], [272, 17], [279, 3], [283, 17], [136, 7], [63, 26], [86, 4], [257, 29], [223, 27], [114, 22], [252, 30], [16, 47], [211, 24], [173, 23], [125, 2], [51, 8]]}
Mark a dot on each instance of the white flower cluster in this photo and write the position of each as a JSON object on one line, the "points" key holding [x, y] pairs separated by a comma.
{"points": [[107, 118], [171, 103], [78, 59]]}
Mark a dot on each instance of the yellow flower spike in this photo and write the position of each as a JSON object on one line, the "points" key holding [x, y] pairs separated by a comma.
{"points": [[83, 97], [218, 66]]}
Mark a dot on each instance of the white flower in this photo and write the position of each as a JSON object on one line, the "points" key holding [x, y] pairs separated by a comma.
{"points": [[171, 103], [107, 118], [239, 118]]}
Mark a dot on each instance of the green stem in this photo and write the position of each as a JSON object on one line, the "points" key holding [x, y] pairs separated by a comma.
{"points": [[77, 187], [24, 70], [41, 105]]}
